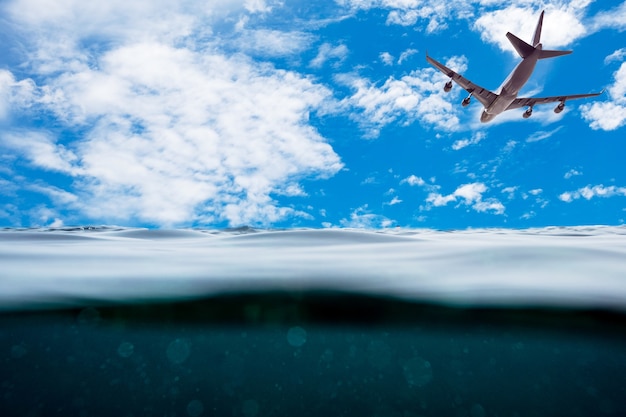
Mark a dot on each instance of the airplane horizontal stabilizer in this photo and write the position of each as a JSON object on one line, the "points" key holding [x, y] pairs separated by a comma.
{"points": [[551, 54], [523, 49]]}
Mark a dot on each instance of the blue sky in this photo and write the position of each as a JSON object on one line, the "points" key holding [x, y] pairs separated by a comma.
{"points": [[305, 114]]}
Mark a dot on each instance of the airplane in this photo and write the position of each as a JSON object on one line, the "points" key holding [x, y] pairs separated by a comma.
{"points": [[506, 96]]}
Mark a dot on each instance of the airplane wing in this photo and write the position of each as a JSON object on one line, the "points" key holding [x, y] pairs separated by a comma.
{"points": [[530, 102], [483, 95]]}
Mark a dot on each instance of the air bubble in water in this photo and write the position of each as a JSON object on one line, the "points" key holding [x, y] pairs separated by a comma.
{"points": [[195, 408], [125, 349], [477, 410], [18, 351], [250, 408], [296, 336], [178, 351], [417, 372]]}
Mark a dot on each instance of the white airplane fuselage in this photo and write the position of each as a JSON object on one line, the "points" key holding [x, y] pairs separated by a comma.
{"points": [[509, 89]]}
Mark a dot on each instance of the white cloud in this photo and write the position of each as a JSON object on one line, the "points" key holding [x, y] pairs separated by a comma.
{"points": [[257, 6], [42, 216], [14, 93], [6, 82], [497, 17], [471, 192], [413, 180], [41, 150], [618, 90], [56, 194], [417, 96], [67, 36], [521, 20], [172, 130], [604, 115], [369, 180], [572, 173], [542, 135], [613, 19], [489, 205], [609, 115], [406, 54], [387, 58], [8, 188], [272, 43], [469, 195], [363, 218], [588, 192], [566, 197], [616, 56], [462, 143], [510, 191], [395, 200], [409, 12], [327, 52]]}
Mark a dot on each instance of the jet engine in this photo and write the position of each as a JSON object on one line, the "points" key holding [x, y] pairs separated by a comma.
{"points": [[559, 108], [447, 87], [466, 101], [528, 113]]}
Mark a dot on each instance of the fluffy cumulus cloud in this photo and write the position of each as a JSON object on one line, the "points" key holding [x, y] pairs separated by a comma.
{"points": [[494, 18], [469, 195], [521, 18], [387, 58], [542, 135], [271, 43], [14, 93], [572, 173], [406, 55], [168, 129], [328, 52], [613, 19], [617, 56], [588, 192], [363, 218], [416, 96], [434, 13], [413, 180], [609, 114], [463, 143]]}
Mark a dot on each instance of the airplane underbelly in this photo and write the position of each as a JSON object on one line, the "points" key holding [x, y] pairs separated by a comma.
{"points": [[500, 104]]}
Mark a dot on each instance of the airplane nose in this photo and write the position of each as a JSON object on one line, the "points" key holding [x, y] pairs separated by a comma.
{"points": [[486, 117]]}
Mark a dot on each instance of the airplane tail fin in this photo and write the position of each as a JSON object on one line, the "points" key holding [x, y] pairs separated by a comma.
{"points": [[537, 36], [524, 49]]}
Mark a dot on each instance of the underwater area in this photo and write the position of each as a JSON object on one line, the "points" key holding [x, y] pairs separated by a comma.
{"points": [[104, 342], [308, 355]]}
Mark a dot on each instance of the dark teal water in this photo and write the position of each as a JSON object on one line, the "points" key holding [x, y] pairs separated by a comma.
{"points": [[311, 355]]}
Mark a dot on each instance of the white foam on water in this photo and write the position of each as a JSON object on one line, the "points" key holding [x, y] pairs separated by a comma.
{"points": [[573, 266]]}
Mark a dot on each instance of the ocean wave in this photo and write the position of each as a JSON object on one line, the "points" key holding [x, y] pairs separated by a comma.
{"points": [[565, 266]]}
